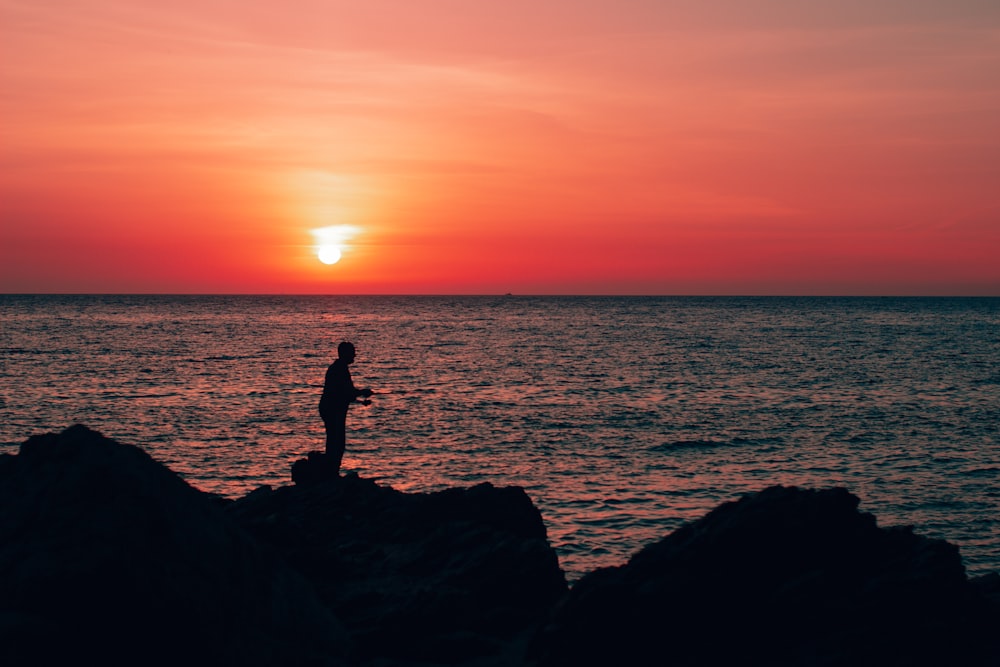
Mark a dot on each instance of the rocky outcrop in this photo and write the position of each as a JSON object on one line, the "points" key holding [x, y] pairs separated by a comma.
{"points": [[458, 575], [781, 577], [107, 557]]}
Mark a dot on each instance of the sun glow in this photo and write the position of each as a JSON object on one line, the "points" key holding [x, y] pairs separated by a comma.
{"points": [[331, 242], [329, 254]]}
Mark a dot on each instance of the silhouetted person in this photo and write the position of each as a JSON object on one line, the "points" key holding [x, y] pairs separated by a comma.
{"points": [[338, 394]]}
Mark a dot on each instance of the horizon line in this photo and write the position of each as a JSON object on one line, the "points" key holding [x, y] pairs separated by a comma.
{"points": [[519, 295]]}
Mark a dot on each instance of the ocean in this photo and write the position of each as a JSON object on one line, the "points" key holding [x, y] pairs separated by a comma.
{"points": [[622, 417]]}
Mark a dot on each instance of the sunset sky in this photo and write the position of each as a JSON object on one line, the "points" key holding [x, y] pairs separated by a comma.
{"points": [[542, 146]]}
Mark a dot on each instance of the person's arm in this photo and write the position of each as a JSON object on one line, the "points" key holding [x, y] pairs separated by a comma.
{"points": [[341, 385], [353, 391]]}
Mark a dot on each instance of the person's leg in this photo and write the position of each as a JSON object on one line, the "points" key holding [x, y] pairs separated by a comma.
{"points": [[336, 438]]}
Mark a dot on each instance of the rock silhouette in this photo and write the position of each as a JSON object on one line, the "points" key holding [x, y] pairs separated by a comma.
{"points": [[455, 575], [107, 557], [782, 577], [125, 563]]}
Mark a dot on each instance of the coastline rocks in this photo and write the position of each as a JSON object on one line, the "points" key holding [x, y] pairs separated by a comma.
{"points": [[458, 575], [107, 557], [780, 577]]}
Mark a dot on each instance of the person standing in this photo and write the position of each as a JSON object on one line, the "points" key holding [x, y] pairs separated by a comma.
{"points": [[338, 394]]}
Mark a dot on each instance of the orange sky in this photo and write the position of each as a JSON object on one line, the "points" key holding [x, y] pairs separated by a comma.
{"points": [[593, 147]]}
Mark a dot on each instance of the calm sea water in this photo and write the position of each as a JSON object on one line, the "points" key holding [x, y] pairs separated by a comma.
{"points": [[621, 417]]}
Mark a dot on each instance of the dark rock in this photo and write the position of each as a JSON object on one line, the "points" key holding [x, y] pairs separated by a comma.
{"points": [[781, 577], [314, 469], [988, 585], [446, 577], [107, 557]]}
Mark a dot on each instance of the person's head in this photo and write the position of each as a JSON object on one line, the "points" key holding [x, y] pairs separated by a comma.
{"points": [[346, 351]]}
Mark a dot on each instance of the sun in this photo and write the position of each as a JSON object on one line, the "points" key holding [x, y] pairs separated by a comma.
{"points": [[331, 242], [329, 254]]}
